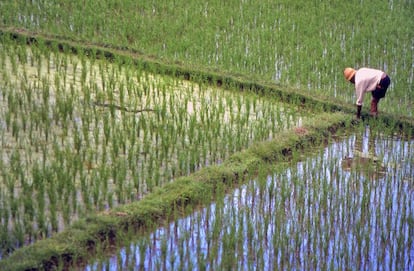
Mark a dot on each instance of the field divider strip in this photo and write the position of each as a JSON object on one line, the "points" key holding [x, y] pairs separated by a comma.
{"points": [[80, 241], [199, 74]]}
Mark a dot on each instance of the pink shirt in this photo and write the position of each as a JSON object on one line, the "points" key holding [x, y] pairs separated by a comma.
{"points": [[366, 80]]}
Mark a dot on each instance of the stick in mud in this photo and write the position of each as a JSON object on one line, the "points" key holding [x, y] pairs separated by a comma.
{"points": [[123, 108]]}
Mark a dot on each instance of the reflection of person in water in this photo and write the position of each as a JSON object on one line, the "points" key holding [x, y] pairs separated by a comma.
{"points": [[364, 158]]}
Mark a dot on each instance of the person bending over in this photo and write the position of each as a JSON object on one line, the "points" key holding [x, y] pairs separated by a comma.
{"points": [[368, 80]]}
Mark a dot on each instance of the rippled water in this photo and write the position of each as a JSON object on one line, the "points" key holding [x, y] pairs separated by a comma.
{"points": [[349, 206]]}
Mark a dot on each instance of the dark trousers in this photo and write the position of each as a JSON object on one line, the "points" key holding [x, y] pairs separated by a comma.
{"points": [[380, 92]]}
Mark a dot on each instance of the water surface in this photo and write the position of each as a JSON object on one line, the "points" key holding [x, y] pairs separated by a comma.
{"points": [[349, 206]]}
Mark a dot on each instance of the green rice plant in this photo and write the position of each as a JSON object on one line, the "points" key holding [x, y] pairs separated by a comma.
{"points": [[317, 213], [258, 43], [84, 133]]}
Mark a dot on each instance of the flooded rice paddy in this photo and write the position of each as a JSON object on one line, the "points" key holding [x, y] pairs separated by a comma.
{"points": [[81, 135], [349, 206]]}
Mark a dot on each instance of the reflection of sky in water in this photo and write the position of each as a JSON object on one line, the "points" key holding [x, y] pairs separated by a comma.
{"points": [[316, 215]]}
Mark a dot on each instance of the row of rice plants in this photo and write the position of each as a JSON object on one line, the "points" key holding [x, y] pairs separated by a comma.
{"points": [[81, 135], [319, 214], [300, 43]]}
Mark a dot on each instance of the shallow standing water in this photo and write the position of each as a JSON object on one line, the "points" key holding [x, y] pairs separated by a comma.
{"points": [[350, 206], [80, 135]]}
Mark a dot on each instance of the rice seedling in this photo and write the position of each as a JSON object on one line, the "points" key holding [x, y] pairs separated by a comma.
{"points": [[299, 44], [348, 205], [88, 138], [81, 135]]}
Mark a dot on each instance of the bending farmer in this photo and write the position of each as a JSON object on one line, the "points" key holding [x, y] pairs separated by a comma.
{"points": [[368, 80]]}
